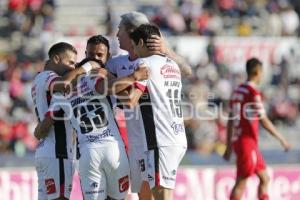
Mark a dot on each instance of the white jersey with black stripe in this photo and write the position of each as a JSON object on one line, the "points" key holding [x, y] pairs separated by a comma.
{"points": [[160, 104], [59, 142], [121, 66], [90, 114]]}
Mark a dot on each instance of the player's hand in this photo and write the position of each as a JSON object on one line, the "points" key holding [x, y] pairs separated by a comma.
{"points": [[37, 133], [94, 64], [156, 45], [141, 73], [99, 72], [227, 155], [285, 145]]}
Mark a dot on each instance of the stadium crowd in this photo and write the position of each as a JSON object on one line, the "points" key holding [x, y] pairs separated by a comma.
{"points": [[211, 82]]}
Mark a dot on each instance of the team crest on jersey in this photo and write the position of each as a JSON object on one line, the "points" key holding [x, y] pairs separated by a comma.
{"points": [[177, 128], [169, 71], [50, 185], [124, 184]]}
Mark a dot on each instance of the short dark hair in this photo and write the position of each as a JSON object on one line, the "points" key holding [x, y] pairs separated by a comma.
{"points": [[59, 48], [98, 39], [144, 32], [252, 65]]}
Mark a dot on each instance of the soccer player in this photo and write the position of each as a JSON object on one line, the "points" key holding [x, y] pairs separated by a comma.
{"points": [[103, 165], [96, 48], [55, 152], [159, 99], [246, 112], [124, 65]]}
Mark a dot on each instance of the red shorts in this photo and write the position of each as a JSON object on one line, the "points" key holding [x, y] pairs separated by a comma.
{"points": [[249, 160]]}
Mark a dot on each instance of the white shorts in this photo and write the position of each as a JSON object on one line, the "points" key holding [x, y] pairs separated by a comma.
{"points": [[163, 163], [103, 172], [55, 177], [138, 167]]}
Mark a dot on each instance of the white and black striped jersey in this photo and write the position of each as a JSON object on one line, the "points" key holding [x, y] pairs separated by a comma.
{"points": [[59, 142], [121, 66], [160, 104], [90, 114]]}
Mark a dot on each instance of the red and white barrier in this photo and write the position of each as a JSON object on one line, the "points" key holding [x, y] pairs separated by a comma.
{"points": [[192, 184]]}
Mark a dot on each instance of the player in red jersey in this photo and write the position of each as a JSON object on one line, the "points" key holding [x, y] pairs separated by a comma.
{"points": [[246, 112]]}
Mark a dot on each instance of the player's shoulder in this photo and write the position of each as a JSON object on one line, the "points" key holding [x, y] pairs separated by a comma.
{"points": [[117, 59], [44, 75], [158, 58], [252, 89]]}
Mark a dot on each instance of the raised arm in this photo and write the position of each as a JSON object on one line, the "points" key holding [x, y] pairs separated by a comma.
{"points": [[116, 85], [61, 84], [130, 98], [158, 46]]}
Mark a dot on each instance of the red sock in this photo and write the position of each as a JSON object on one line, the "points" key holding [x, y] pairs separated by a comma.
{"points": [[264, 197]]}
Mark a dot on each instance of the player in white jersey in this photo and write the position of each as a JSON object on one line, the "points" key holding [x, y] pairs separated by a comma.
{"points": [[124, 65], [98, 136], [55, 152], [159, 100]]}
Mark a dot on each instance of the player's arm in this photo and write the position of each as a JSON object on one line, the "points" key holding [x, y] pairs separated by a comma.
{"points": [[116, 85], [269, 126], [130, 98], [228, 150], [158, 45], [62, 84], [43, 128]]}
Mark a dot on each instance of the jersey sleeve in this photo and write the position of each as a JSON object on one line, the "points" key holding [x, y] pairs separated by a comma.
{"points": [[142, 85], [57, 103], [51, 77], [258, 104], [111, 66]]}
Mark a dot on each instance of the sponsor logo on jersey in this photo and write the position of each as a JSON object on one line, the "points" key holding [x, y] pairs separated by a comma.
{"points": [[177, 128], [150, 178], [173, 172], [97, 138], [94, 185], [142, 165], [169, 71], [50, 185], [131, 67], [70, 188], [124, 184], [168, 178]]}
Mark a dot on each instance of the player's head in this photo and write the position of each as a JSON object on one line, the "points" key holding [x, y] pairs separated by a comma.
{"points": [[97, 47], [139, 38], [128, 23], [254, 69], [63, 57]]}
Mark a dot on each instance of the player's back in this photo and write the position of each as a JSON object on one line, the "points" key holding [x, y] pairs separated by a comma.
{"points": [[90, 114], [245, 109], [161, 103], [58, 143]]}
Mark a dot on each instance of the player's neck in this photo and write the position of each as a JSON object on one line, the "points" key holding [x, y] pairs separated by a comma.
{"points": [[145, 54], [252, 82], [132, 56]]}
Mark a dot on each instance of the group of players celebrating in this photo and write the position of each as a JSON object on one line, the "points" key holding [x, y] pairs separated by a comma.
{"points": [[75, 105]]}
